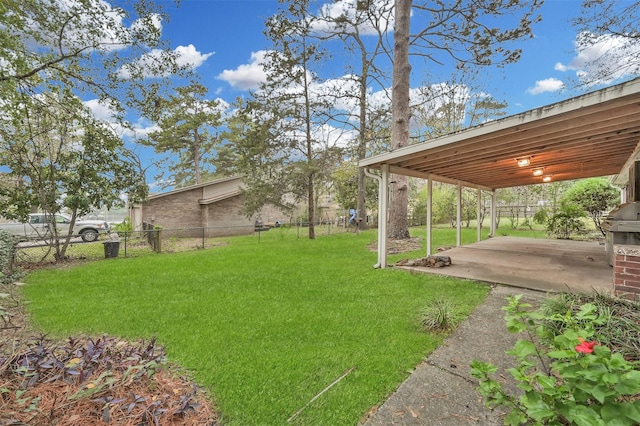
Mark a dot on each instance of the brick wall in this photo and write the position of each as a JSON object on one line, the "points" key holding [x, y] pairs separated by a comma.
{"points": [[626, 271], [224, 218], [182, 209], [179, 210]]}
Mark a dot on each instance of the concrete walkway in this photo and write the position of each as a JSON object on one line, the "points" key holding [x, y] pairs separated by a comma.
{"points": [[441, 391]]}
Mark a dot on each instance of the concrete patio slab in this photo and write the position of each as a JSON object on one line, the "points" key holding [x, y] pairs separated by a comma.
{"points": [[538, 264]]}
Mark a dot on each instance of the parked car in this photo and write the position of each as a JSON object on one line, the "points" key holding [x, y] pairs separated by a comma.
{"points": [[38, 226]]}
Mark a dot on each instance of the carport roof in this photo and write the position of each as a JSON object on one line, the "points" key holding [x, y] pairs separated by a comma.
{"points": [[596, 134]]}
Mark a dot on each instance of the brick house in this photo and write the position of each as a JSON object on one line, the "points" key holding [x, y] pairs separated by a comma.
{"points": [[214, 205]]}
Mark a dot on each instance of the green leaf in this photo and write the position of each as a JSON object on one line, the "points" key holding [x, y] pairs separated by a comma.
{"points": [[587, 312], [480, 369], [594, 373], [514, 325], [547, 382], [628, 385], [567, 340], [610, 378], [601, 393], [515, 418], [611, 414], [618, 362], [536, 407], [562, 354], [631, 410], [581, 415], [523, 348]]}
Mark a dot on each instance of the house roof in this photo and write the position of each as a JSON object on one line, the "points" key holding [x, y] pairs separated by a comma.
{"points": [[596, 134], [192, 187], [219, 197]]}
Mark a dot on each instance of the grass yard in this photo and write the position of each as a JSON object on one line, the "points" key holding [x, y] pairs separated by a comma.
{"points": [[264, 326]]}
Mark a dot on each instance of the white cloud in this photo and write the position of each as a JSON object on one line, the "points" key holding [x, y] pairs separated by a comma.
{"points": [[156, 21], [107, 115], [603, 59], [380, 99], [186, 56], [159, 186], [196, 107], [381, 17], [546, 85], [326, 136], [141, 129], [100, 110], [7, 66], [107, 24], [247, 76]]}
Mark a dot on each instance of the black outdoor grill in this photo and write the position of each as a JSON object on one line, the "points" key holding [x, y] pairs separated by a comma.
{"points": [[622, 225]]}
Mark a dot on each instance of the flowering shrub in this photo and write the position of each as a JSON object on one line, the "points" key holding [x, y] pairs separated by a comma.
{"points": [[585, 347], [565, 378]]}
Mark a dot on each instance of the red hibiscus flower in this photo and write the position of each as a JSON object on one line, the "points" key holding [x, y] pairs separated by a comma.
{"points": [[585, 347]]}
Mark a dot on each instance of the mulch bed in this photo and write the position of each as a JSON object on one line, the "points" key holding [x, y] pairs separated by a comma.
{"points": [[398, 246], [89, 381]]}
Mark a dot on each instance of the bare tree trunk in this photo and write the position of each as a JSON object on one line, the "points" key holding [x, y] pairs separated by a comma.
{"points": [[312, 210], [398, 222], [361, 201], [196, 156]]}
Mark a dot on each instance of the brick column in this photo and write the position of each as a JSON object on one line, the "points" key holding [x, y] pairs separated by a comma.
{"points": [[626, 271]]}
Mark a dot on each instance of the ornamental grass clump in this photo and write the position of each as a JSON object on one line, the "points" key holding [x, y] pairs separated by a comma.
{"points": [[566, 374], [440, 315]]}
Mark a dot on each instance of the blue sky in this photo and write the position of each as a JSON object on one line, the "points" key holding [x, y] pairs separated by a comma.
{"points": [[230, 31], [223, 40]]}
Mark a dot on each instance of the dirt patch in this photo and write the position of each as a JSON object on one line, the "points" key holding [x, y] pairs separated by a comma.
{"points": [[398, 246], [171, 245]]}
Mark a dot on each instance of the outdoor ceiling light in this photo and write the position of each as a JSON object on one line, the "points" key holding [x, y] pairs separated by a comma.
{"points": [[522, 162], [538, 172], [547, 178]]}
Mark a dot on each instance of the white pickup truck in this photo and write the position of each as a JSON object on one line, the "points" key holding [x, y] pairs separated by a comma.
{"points": [[38, 227]]}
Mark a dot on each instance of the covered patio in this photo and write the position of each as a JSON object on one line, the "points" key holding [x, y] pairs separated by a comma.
{"points": [[537, 264], [593, 135]]}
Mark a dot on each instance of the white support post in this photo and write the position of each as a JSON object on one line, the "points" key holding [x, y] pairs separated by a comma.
{"points": [[382, 216], [383, 189], [493, 213], [478, 209], [459, 217], [379, 180], [429, 214]]}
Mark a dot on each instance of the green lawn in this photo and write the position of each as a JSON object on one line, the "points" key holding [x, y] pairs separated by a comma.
{"points": [[264, 326]]}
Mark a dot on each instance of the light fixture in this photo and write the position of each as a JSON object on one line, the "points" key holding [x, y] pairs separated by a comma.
{"points": [[538, 172], [523, 162], [547, 178]]}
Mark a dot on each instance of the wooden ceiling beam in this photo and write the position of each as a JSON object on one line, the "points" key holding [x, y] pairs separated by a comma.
{"points": [[523, 148]]}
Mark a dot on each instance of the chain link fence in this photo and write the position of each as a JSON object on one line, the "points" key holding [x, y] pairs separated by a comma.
{"points": [[42, 251]]}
